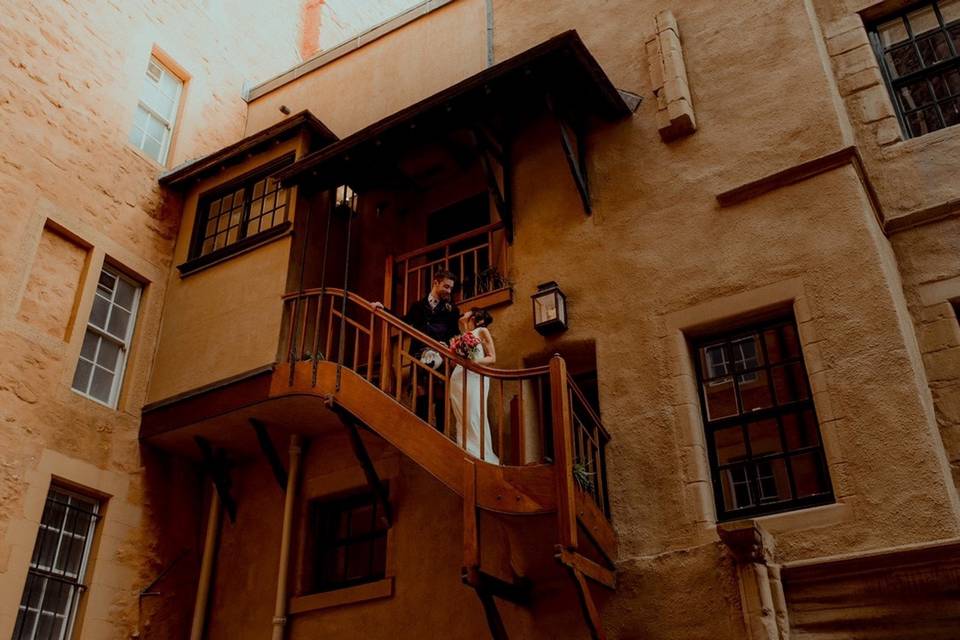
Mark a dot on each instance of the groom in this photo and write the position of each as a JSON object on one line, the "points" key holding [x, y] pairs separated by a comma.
{"points": [[437, 316]]}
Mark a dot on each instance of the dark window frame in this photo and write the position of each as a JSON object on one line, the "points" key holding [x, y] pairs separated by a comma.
{"points": [[196, 257], [325, 539], [744, 419], [898, 83]]}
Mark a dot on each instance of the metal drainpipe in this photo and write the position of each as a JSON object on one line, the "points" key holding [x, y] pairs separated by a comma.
{"points": [[489, 33], [206, 569], [280, 607]]}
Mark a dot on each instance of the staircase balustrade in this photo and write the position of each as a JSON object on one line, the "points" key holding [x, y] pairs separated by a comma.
{"points": [[340, 327]]}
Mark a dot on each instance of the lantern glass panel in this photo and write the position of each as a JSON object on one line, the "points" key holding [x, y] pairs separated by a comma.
{"points": [[546, 305]]}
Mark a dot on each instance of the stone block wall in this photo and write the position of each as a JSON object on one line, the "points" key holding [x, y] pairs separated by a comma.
{"points": [[77, 195]]}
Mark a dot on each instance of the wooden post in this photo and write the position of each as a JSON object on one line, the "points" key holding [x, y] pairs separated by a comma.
{"points": [[563, 453], [206, 568], [280, 605], [471, 532], [385, 369]]}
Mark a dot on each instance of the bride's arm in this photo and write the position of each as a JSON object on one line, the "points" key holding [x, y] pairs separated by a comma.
{"points": [[489, 351]]}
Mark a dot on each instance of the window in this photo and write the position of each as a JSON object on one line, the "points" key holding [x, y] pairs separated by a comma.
{"points": [[55, 578], [919, 51], [107, 341], [762, 433], [156, 111], [240, 210], [350, 534]]}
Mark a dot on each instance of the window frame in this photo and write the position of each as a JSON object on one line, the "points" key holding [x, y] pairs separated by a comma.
{"points": [[76, 583], [124, 344], [169, 125], [744, 418], [924, 73], [315, 531], [195, 257]]}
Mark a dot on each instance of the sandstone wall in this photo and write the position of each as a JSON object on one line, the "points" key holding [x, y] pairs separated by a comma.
{"points": [[76, 194]]}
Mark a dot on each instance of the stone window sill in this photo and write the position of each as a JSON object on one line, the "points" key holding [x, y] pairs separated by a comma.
{"points": [[488, 300], [810, 518], [243, 246], [350, 595]]}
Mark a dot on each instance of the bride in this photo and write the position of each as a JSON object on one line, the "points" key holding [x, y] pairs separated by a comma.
{"points": [[476, 322]]}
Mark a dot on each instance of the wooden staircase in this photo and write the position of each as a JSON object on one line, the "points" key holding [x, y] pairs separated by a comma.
{"points": [[355, 356]]}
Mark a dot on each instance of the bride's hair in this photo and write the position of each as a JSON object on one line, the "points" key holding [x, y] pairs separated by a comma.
{"points": [[481, 317]]}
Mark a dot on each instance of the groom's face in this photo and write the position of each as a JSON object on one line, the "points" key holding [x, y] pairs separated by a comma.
{"points": [[443, 289]]}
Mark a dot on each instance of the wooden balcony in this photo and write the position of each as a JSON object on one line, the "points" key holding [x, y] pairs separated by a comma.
{"points": [[477, 258], [347, 364]]}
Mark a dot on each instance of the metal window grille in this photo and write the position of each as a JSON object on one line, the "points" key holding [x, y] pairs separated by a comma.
{"points": [[351, 538], [156, 111], [103, 356], [919, 52], [763, 439], [240, 210], [55, 578]]}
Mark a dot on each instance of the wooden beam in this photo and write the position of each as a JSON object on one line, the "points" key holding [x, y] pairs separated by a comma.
{"points": [[500, 194], [590, 613], [360, 451], [587, 567], [471, 530], [563, 453], [216, 465], [574, 148], [270, 452], [497, 629]]}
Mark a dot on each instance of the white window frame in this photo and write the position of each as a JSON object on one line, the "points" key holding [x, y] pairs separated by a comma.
{"points": [[124, 344], [43, 572], [168, 124]]}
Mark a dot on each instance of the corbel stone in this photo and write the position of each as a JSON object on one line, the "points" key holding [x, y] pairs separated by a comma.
{"points": [[761, 593], [668, 75]]}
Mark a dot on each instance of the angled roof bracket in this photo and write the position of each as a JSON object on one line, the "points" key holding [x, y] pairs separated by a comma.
{"points": [[574, 148], [216, 464], [490, 150]]}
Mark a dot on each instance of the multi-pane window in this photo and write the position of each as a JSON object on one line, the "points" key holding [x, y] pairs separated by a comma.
{"points": [[350, 534], [240, 211], [106, 343], [762, 433], [919, 51], [55, 578], [156, 111]]}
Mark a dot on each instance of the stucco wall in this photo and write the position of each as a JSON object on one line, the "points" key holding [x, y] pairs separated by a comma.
{"points": [[392, 72], [76, 195]]}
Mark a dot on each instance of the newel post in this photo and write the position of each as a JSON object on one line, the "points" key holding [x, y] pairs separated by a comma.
{"points": [[385, 359], [563, 453]]}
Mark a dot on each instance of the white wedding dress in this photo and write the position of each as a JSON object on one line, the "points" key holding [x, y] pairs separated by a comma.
{"points": [[478, 387]]}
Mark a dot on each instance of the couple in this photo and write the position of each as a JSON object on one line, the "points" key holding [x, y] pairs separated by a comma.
{"points": [[438, 317]]}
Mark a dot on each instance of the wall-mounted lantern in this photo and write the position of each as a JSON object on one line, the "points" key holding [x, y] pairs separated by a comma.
{"points": [[346, 199], [549, 309]]}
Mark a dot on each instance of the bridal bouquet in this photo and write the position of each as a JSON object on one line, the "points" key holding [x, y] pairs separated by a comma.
{"points": [[467, 346]]}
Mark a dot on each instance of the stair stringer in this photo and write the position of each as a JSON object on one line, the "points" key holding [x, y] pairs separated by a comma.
{"points": [[529, 489]]}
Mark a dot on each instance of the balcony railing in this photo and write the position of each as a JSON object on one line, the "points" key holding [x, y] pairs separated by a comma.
{"points": [[526, 425], [477, 259]]}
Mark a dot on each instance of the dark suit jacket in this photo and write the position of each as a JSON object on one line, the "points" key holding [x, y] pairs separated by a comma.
{"points": [[441, 323]]}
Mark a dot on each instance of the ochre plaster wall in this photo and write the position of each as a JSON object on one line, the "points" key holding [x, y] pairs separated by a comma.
{"points": [[224, 319], [407, 65], [77, 195], [659, 258]]}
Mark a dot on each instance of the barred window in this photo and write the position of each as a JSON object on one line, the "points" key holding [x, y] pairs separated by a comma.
{"points": [[762, 433], [240, 210], [919, 51], [106, 343], [55, 578], [350, 534]]}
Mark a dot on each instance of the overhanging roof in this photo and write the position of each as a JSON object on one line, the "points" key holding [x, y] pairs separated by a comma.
{"points": [[237, 151], [561, 69]]}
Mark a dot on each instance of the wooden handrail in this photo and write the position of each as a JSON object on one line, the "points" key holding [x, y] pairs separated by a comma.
{"points": [[496, 226], [589, 409], [444, 350]]}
